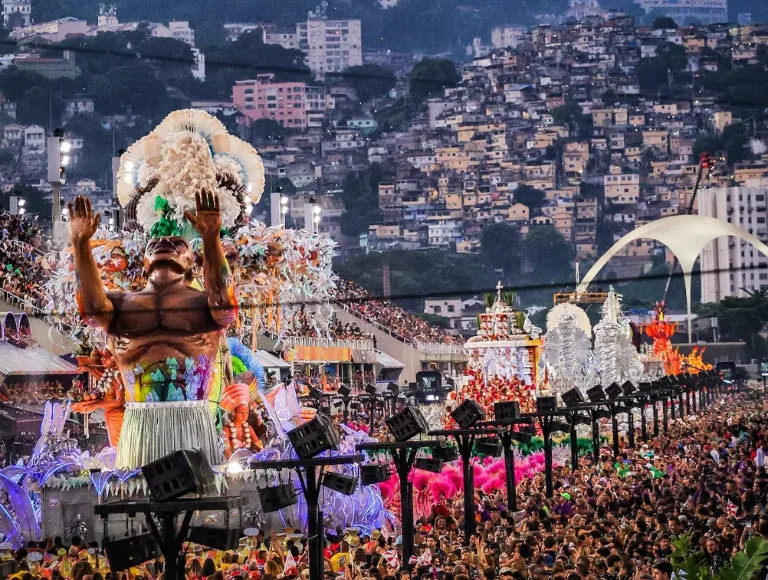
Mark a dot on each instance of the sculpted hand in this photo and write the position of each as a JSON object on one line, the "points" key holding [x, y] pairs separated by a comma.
{"points": [[207, 217], [82, 221]]}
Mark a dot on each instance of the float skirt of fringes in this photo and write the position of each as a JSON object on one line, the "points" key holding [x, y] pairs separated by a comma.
{"points": [[153, 430]]}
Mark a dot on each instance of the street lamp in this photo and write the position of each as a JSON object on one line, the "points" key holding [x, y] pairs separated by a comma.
{"points": [[283, 209], [59, 158], [316, 211]]}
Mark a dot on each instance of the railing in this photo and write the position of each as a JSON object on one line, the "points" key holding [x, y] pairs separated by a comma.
{"points": [[441, 349], [354, 344], [34, 310], [378, 325], [27, 247]]}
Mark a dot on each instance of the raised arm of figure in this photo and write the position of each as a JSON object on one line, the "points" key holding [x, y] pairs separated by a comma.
{"points": [[218, 280], [95, 307]]}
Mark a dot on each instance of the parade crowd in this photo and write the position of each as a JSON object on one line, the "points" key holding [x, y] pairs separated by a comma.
{"points": [[389, 316], [613, 520], [303, 323], [22, 273]]}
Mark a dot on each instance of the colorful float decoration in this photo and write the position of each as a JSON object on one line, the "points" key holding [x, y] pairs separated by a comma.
{"points": [[661, 331], [695, 361], [503, 358]]}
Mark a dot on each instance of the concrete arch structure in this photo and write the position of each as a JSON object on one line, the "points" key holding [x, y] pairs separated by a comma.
{"points": [[685, 236]]}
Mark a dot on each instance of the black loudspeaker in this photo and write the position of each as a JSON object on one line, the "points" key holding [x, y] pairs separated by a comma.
{"points": [[561, 426], [314, 437], [427, 464], [468, 413], [277, 497], [129, 552], [374, 473], [215, 538], [572, 397], [344, 391], [179, 473], [448, 453], [613, 390], [521, 437], [407, 424], [628, 388], [344, 484], [506, 411], [546, 405], [596, 393], [488, 447]]}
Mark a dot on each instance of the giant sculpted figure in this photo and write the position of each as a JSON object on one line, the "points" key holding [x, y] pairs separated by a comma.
{"points": [[165, 338]]}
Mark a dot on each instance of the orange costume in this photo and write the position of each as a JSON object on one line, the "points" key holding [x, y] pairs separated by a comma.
{"points": [[113, 401]]}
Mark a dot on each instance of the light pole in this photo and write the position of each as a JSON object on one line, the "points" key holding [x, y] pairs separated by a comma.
{"points": [[316, 211], [58, 150]]}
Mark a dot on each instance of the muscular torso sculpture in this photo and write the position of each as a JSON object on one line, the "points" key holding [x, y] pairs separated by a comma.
{"points": [[168, 319], [169, 331]]}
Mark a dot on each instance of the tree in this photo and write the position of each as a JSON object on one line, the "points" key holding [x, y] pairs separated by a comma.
{"points": [[360, 194], [609, 98], [548, 256], [735, 142], [247, 57], [530, 196], [171, 58], [654, 73], [500, 246], [430, 77], [664, 23], [370, 81], [265, 130], [707, 143]]}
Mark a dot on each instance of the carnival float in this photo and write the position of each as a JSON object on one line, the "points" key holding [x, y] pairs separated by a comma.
{"points": [[167, 312]]}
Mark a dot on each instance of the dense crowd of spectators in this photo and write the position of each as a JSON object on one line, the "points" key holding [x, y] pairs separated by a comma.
{"points": [[617, 519], [388, 316], [23, 274], [305, 323]]}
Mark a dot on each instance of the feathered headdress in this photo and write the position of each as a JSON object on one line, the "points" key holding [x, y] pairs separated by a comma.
{"points": [[189, 152]]}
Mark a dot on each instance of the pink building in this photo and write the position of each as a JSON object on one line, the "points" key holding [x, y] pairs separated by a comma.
{"points": [[265, 99]]}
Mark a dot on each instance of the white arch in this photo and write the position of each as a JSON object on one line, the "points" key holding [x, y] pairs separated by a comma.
{"points": [[685, 236]]}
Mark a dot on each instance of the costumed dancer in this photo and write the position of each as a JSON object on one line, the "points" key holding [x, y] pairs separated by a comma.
{"points": [[238, 433]]}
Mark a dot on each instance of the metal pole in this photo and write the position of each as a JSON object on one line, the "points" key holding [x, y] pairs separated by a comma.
{"points": [[615, 431], [666, 415], [509, 468], [631, 428], [57, 225], [672, 407], [403, 461], [465, 447], [595, 437], [574, 445], [545, 428], [314, 523], [655, 418], [643, 425]]}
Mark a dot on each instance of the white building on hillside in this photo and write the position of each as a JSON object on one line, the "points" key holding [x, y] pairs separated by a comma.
{"points": [[735, 267], [17, 13]]}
